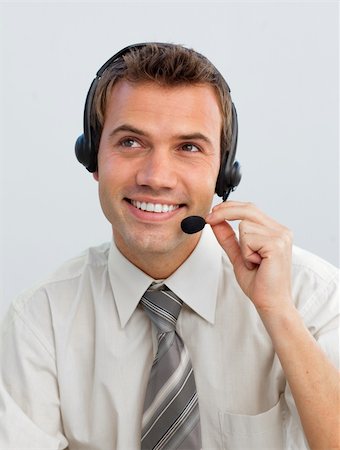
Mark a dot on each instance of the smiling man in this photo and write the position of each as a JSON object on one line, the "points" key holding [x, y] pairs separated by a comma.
{"points": [[162, 339], [165, 141]]}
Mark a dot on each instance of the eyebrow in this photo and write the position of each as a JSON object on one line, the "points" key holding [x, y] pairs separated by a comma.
{"points": [[184, 137], [129, 128], [194, 136]]}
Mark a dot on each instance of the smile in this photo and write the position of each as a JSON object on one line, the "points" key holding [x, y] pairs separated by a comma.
{"points": [[153, 207]]}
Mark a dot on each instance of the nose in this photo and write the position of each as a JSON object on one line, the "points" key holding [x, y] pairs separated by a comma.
{"points": [[157, 171]]}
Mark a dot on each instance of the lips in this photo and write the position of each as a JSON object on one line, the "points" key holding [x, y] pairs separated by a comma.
{"points": [[154, 207]]}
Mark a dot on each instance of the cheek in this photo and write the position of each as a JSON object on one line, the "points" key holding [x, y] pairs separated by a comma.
{"points": [[206, 176], [113, 172]]}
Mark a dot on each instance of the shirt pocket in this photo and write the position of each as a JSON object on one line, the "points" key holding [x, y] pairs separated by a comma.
{"points": [[257, 432]]}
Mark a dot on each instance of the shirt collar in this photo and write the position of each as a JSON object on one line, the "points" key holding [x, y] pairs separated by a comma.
{"points": [[195, 281]]}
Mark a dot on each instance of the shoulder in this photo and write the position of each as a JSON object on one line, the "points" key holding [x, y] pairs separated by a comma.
{"points": [[315, 285], [304, 261], [36, 304], [89, 259], [311, 274]]}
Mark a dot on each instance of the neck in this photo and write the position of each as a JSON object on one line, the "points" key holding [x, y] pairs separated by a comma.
{"points": [[161, 265]]}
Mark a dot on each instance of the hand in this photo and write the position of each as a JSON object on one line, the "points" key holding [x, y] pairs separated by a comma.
{"points": [[261, 257]]}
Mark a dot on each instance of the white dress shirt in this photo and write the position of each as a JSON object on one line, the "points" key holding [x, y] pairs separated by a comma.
{"points": [[76, 352]]}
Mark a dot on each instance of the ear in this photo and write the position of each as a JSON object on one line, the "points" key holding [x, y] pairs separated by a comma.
{"points": [[95, 175]]}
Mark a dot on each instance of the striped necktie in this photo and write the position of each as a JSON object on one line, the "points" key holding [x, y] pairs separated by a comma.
{"points": [[171, 414]]}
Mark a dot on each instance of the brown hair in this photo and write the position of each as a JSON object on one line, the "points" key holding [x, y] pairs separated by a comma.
{"points": [[168, 65]]}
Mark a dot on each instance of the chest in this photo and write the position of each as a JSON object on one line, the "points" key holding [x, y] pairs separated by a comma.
{"points": [[104, 369]]}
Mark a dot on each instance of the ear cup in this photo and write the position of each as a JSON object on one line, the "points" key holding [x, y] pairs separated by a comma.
{"points": [[79, 149], [86, 145], [233, 177], [84, 154], [228, 178], [229, 175]]}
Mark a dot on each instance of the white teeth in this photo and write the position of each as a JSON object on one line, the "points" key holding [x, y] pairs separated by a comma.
{"points": [[153, 207]]}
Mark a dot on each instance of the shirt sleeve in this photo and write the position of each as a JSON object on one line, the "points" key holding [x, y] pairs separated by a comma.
{"points": [[316, 294], [321, 315], [29, 400]]}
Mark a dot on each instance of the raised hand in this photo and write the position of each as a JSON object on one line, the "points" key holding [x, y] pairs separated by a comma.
{"points": [[261, 255]]}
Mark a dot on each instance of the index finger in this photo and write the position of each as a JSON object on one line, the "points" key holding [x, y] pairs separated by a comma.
{"points": [[232, 210]]}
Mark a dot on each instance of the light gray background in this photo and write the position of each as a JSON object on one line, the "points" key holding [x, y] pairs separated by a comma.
{"points": [[280, 59]]}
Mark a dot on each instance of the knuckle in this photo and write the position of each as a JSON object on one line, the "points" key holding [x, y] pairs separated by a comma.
{"points": [[243, 226], [280, 244], [251, 205], [287, 235], [283, 242], [290, 235]]}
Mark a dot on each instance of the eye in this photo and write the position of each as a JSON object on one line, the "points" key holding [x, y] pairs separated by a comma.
{"points": [[190, 148], [129, 143]]}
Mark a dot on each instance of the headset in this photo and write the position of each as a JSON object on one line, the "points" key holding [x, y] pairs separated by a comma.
{"points": [[86, 146]]}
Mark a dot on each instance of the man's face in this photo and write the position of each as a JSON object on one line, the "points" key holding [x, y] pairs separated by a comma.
{"points": [[158, 161]]}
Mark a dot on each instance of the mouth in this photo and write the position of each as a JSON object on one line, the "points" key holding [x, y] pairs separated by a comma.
{"points": [[159, 208]]}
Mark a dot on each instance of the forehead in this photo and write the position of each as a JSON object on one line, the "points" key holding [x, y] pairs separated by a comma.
{"points": [[184, 105]]}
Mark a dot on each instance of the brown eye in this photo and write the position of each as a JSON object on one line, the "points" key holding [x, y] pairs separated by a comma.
{"points": [[190, 148]]}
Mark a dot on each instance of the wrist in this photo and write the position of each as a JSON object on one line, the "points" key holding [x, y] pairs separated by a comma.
{"points": [[281, 321]]}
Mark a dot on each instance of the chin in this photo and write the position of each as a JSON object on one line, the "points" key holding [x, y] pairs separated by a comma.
{"points": [[154, 242], [157, 244]]}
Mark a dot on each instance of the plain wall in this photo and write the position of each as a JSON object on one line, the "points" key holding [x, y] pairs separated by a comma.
{"points": [[279, 58]]}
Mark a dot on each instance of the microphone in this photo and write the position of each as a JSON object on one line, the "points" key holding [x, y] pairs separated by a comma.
{"points": [[192, 224]]}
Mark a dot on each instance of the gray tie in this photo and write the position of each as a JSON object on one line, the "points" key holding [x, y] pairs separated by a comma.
{"points": [[171, 414]]}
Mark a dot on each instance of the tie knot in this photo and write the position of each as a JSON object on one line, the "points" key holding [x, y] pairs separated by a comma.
{"points": [[163, 308]]}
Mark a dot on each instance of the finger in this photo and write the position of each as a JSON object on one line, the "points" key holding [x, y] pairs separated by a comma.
{"points": [[251, 258], [240, 211], [226, 237], [246, 227], [279, 236], [274, 247]]}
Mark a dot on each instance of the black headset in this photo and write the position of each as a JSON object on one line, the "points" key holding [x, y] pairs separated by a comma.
{"points": [[87, 144]]}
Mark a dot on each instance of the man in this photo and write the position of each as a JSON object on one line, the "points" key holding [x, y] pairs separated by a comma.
{"points": [[258, 324]]}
